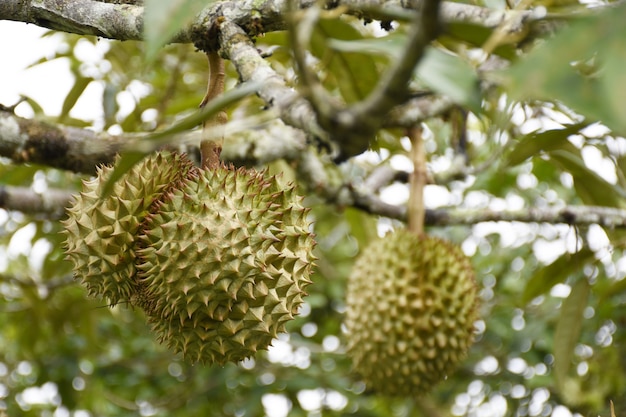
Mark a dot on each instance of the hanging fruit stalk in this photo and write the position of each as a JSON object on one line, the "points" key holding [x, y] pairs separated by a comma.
{"points": [[415, 210], [211, 148]]}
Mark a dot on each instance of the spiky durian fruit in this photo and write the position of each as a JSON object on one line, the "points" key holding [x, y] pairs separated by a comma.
{"points": [[411, 305], [218, 259], [225, 262], [102, 232]]}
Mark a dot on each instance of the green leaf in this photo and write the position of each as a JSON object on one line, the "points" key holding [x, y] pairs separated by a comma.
{"points": [[72, 97], [588, 78], [355, 73], [533, 143], [451, 76], [590, 187], [124, 164], [135, 153], [443, 72], [212, 108], [568, 329], [164, 18], [391, 45], [474, 35], [557, 272]]}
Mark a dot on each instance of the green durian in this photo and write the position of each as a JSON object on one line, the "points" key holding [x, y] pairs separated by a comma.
{"points": [[101, 232], [225, 262], [218, 259], [411, 307]]}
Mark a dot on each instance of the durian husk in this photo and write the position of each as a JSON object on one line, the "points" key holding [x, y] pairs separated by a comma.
{"points": [[102, 231], [411, 307], [225, 261], [218, 259]]}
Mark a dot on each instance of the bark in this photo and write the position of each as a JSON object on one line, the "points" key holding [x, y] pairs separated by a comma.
{"points": [[52, 202], [69, 148], [123, 21]]}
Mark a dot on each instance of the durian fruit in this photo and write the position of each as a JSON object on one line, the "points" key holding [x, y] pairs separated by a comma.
{"points": [[225, 262], [218, 259], [411, 305], [102, 232]]}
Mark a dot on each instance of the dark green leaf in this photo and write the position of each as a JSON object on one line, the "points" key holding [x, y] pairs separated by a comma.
{"points": [[557, 272], [568, 329], [443, 72], [354, 72], [474, 35]]}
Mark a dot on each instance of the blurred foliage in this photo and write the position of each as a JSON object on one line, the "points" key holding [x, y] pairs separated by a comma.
{"points": [[553, 325]]}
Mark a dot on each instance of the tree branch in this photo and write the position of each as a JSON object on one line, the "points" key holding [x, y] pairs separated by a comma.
{"points": [[70, 148], [52, 203], [125, 21], [355, 125], [81, 150], [293, 108]]}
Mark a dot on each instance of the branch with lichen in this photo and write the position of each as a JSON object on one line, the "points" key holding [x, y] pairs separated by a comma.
{"points": [[51, 204], [123, 21]]}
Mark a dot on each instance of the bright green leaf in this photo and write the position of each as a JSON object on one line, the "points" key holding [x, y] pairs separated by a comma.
{"points": [[568, 329], [151, 142], [390, 45], [72, 97]]}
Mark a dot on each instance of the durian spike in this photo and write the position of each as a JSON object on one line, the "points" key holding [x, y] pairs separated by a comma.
{"points": [[210, 149], [416, 211]]}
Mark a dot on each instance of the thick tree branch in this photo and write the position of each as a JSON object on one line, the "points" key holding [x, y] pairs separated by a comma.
{"points": [[250, 17], [84, 17], [52, 202], [125, 21], [81, 150], [74, 149]]}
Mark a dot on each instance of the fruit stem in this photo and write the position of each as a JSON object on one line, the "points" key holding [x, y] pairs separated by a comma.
{"points": [[210, 149], [416, 210]]}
